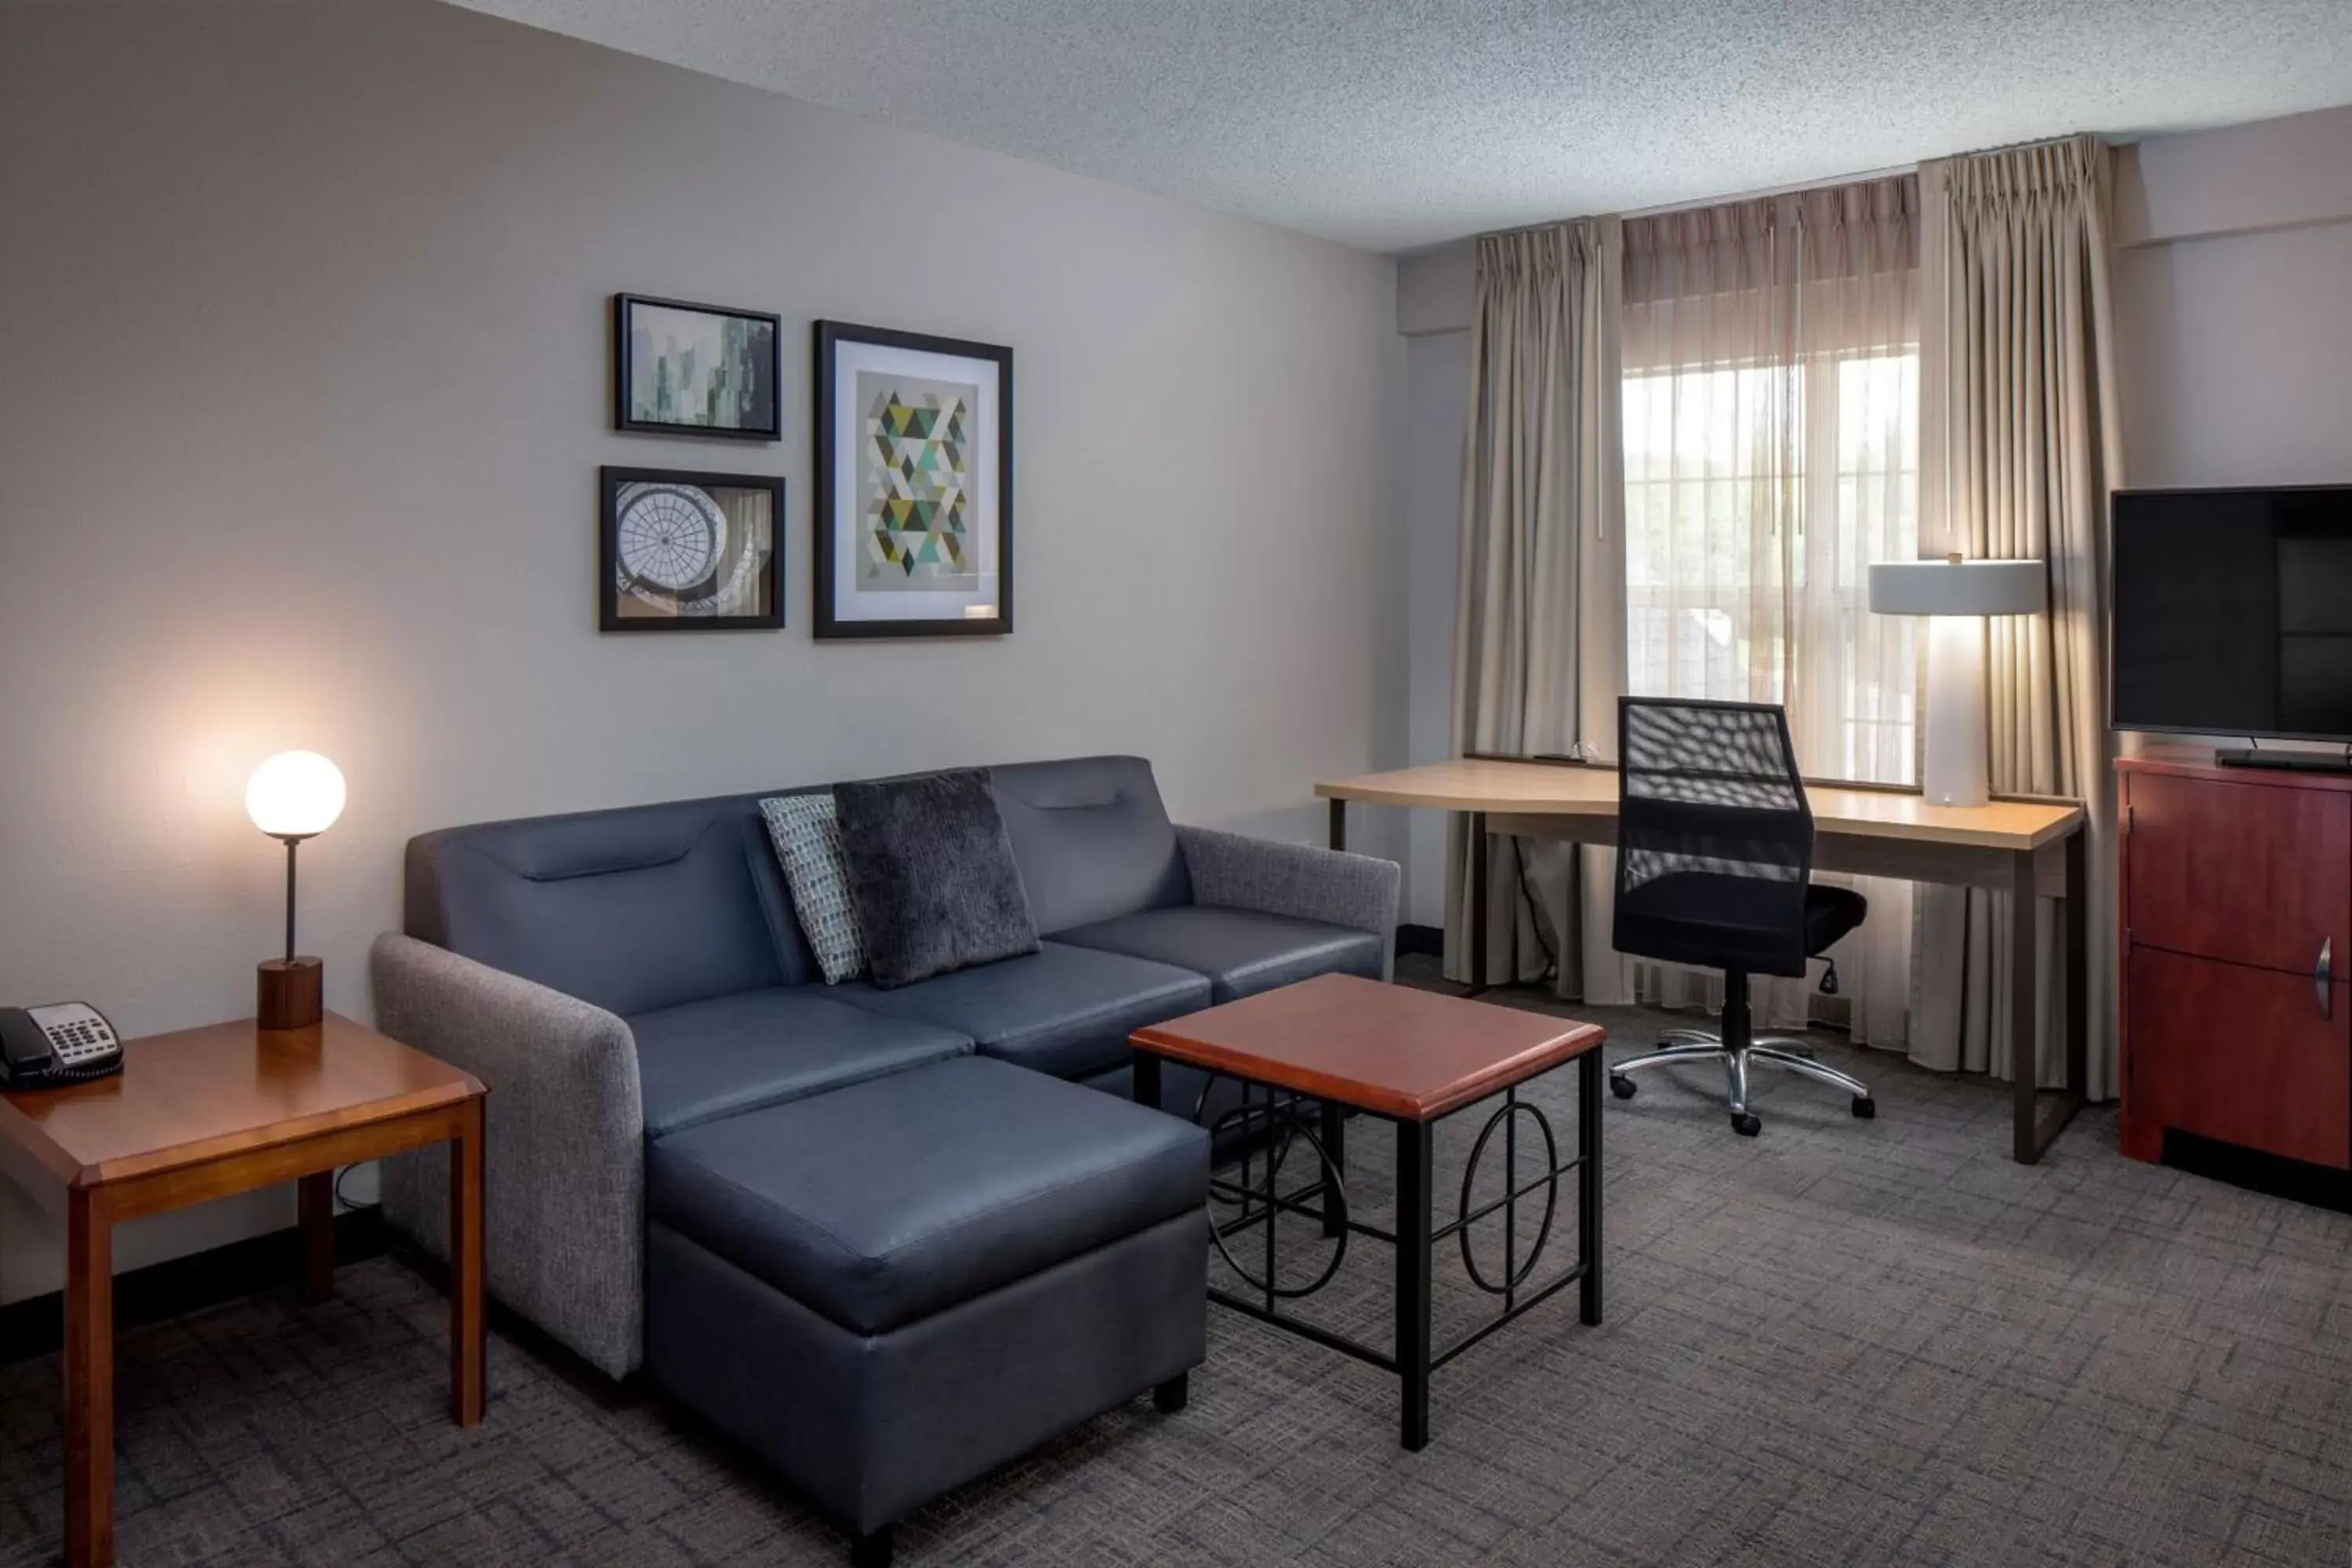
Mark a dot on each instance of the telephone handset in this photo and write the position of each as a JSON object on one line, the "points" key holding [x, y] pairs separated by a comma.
{"points": [[66, 1042]]}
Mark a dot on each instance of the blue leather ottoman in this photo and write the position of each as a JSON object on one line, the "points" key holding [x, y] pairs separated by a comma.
{"points": [[887, 1290]]}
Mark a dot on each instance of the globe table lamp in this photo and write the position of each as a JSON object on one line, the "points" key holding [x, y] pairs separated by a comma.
{"points": [[292, 796], [1956, 594]]}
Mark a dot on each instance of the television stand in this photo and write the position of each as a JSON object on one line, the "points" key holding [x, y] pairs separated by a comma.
{"points": [[2285, 761]]}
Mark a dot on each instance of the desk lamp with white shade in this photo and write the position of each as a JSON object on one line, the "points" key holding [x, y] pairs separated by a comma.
{"points": [[1956, 596]]}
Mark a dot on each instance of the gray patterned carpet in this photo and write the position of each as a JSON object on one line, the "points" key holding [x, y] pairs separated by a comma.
{"points": [[1842, 1342]]}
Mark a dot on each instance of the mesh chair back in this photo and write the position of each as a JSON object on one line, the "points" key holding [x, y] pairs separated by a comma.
{"points": [[1714, 839]]}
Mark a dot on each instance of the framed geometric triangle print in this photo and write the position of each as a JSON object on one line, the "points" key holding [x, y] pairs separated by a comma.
{"points": [[913, 460]]}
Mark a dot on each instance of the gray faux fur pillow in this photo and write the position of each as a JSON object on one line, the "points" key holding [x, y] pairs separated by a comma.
{"points": [[931, 875]]}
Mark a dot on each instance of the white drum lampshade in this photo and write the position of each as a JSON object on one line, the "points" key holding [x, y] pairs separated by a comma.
{"points": [[1956, 596]]}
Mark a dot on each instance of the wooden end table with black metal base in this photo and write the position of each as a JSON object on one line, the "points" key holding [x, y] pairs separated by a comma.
{"points": [[1411, 1058], [207, 1113]]}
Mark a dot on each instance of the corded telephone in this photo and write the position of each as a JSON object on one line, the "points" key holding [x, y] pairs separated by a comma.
{"points": [[66, 1042]]}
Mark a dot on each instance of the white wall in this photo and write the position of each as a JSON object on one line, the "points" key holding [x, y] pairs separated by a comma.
{"points": [[1434, 312], [2236, 356], [1438, 383], [304, 309], [1433, 289], [2233, 304]]}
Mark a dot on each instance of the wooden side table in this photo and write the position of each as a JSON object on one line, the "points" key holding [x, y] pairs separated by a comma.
{"points": [[226, 1108]]}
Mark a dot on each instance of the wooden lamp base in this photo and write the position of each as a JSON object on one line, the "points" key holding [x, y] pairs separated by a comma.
{"points": [[290, 993]]}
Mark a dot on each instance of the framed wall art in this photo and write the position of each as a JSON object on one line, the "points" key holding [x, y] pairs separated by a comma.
{"points": [[913, 461], [696, 370], [690, 552]]}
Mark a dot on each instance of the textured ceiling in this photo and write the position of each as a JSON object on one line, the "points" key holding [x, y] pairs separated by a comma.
{"points": [[1395, 124]]}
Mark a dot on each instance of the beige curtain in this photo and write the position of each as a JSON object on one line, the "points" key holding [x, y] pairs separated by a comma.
{"points": [[2019, 423], [1770, 351], [1538, 646]]}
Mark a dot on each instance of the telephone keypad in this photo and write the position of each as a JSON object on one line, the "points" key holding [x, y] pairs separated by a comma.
{"points": [[80, 1040]]}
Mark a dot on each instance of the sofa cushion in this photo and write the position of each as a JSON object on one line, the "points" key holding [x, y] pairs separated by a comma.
{"points": [[889, 1201], [1091, 837], [931, 875], [1241, 951], [1063, 1010], [731, 1054], [632, 910]]}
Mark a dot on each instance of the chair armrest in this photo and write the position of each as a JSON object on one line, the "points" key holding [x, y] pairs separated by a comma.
{"points": [[1295, 879], [563, 1152]]}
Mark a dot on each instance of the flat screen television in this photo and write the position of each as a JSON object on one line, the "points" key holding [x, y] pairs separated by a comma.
{"points": [[2232, 613]]}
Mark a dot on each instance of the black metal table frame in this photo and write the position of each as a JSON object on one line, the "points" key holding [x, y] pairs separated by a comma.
{"points": [[1416, 1239]]}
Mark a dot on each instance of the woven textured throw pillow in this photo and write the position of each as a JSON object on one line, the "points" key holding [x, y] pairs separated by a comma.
{"points": [[807, 836]]}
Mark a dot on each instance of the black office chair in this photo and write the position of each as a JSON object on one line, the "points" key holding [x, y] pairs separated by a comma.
{"points": [[1715, 847]]}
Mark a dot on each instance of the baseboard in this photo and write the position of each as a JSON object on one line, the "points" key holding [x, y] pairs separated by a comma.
{"points": [[2274, 1176], [1430, 940], [35, 1325]]}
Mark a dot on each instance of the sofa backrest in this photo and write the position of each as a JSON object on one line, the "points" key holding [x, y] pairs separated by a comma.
{"points": [[650, 906], [631, 909], [1092, 839]]}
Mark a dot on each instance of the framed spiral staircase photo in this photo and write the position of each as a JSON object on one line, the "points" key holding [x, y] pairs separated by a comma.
{"points": [[690, 552]]}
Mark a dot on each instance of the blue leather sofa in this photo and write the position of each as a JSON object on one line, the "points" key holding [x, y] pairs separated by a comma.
{"points": [[885, 1239]]}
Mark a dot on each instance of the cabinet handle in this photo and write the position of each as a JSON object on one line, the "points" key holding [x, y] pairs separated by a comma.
{"points": [[2320, 977]]}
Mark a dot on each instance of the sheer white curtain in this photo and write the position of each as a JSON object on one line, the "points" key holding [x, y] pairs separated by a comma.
{"points": [[1771, 425]]}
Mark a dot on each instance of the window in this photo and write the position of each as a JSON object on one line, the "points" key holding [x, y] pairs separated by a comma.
{"points": [[1756, 495], [1771, 431]]}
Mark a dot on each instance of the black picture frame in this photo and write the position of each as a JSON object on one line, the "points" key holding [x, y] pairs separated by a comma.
{"points": [[829, 525], [613, 615], [625, 415]]}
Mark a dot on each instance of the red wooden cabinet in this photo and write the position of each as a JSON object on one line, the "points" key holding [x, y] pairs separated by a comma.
{"points": [[2241, 1054], [2236, 915]]}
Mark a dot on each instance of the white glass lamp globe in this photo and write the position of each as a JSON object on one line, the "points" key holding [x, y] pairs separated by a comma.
{"points": [[295, 794]]}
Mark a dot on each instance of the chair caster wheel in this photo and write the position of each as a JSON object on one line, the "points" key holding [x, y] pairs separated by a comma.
{"points": [[1866, 1108], [1746, 1124], [1620, 1086]]}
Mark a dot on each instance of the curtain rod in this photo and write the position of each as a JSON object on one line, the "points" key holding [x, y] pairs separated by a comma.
{"points": [[1829, 183], [1696, 202]]}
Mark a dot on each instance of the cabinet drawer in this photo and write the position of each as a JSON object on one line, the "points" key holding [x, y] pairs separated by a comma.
{"points": [[2247, 1056], [2252, 873]]}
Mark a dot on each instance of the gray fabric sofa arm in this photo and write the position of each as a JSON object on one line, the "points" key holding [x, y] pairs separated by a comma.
{"points": [[1295, 879], [563, 1159]]}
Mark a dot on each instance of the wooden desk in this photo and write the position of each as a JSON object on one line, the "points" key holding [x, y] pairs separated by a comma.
{"points": [[207, 1113], [2028, 847]]}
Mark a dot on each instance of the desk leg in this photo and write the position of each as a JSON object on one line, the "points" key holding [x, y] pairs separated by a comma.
{"points": [[1588, 1180], [2078, 964], [1478, 897], [317, 1205], [1338, 824], [467, 1333], [2033, 1134], [89, 1378], [2024, 957]]}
